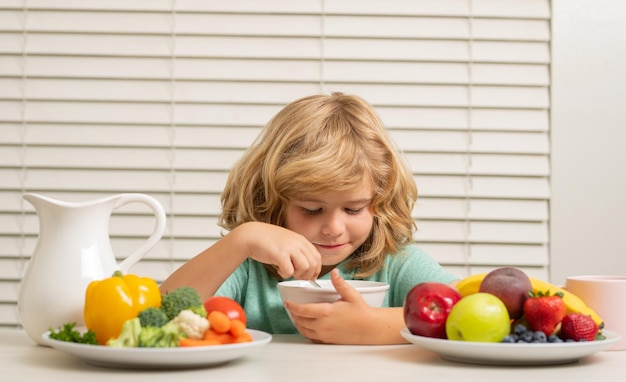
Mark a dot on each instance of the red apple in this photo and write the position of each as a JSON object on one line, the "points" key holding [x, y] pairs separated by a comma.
{"points": [[427, 306]]}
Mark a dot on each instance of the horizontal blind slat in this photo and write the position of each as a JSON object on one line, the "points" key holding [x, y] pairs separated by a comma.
{"points": [[484, 187], [163, 23], [300, 6], [138, 137], [113, 181], [451, 95], [136, 113], [230, 115], [174, 204], [481, 142], [427, 208], [480, 209], [483, 232], [501, 8], [430, 120], [415, 26], [430, 230], [226, 143], [273, 47], [487, 254], [160, 46], [160, 181]]}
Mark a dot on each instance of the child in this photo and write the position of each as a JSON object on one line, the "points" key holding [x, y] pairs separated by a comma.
{"points": [[322, 192]]}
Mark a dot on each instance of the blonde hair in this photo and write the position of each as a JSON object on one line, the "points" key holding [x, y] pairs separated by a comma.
{"points": [[325, 143]]}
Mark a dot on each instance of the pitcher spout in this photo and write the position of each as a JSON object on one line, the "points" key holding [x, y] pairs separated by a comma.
{"points": [[38, 200], [35, 199]]}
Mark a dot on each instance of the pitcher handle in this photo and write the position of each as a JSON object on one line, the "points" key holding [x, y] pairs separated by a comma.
{"points": [[157, 232]]}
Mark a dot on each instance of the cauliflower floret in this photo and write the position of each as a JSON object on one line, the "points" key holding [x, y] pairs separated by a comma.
{"points": [[192, 324]]}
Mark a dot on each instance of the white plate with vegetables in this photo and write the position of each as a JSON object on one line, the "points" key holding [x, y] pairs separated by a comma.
{"points": [[160, 358]]}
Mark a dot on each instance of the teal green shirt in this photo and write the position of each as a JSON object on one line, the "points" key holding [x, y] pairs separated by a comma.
{"points": [[256, 290]]}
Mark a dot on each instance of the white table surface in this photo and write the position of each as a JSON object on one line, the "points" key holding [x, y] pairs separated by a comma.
{"points": [[293, 358]]}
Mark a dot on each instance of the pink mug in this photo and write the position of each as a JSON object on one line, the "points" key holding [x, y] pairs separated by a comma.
{"points": [[606, 295]]}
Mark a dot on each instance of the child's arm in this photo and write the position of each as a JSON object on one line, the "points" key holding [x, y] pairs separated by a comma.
{"points": [[290, 252], [348, 321]]}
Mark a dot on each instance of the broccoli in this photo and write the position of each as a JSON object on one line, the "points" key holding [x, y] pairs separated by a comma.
{"points": [[152, 317], [167, 336], [182, 298], [129, 337]]}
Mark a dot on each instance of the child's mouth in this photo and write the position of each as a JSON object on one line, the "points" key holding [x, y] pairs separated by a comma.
{"points": [[329, 246]]}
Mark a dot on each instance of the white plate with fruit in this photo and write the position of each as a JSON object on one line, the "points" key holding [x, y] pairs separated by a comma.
{"points": [[511, 354], [503, 317]]}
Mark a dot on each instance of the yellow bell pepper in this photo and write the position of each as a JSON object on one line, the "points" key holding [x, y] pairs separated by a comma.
{"points": [[112, 301]]}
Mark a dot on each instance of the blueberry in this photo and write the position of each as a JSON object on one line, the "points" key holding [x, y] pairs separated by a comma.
{"points": [[554, 338], [519, 329], [539, 336], [527, 337], [510, 339]]}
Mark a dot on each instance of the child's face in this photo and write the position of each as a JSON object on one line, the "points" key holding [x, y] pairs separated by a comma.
{"points": [[337, 223]]}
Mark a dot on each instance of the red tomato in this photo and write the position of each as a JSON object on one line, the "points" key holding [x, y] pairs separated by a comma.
{"points": [[227, 306]]}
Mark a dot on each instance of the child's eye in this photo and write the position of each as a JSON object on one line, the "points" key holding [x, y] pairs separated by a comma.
{"points": [[352, 211], [311, 212]]}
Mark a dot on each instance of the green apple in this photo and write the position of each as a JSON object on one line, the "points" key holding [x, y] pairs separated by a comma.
{"points": [[479, 317]]}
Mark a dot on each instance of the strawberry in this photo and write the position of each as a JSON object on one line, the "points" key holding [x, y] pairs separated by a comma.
{"points": [[577, 327], [544, 312]]}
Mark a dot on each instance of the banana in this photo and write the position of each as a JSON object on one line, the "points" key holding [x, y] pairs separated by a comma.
{"points": [[471, 284]]}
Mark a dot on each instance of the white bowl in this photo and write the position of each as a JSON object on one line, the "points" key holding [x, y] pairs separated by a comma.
{"points": [[303, 292]]}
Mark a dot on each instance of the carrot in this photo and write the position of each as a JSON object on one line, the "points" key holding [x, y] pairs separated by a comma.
{"points": [[226, 338], [210, 334], [223, 330], [237, 327], [245, 337], [219, 321], [222, 338], [188, 342]]}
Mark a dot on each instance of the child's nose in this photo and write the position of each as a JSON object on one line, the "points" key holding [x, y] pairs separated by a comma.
{"points": [[333, 226]]}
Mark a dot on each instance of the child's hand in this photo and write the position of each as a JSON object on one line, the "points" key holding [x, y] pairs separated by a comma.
{"points": [[291, 253], [349, 320]]}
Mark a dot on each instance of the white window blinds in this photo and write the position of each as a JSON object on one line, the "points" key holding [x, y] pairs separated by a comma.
{"points": [[161, 97]]}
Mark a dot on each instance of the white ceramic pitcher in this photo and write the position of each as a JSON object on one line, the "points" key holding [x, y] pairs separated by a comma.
{"points": [[73, 249]]}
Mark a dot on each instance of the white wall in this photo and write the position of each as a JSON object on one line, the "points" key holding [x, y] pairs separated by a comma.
{"points": [[588, 205]]}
